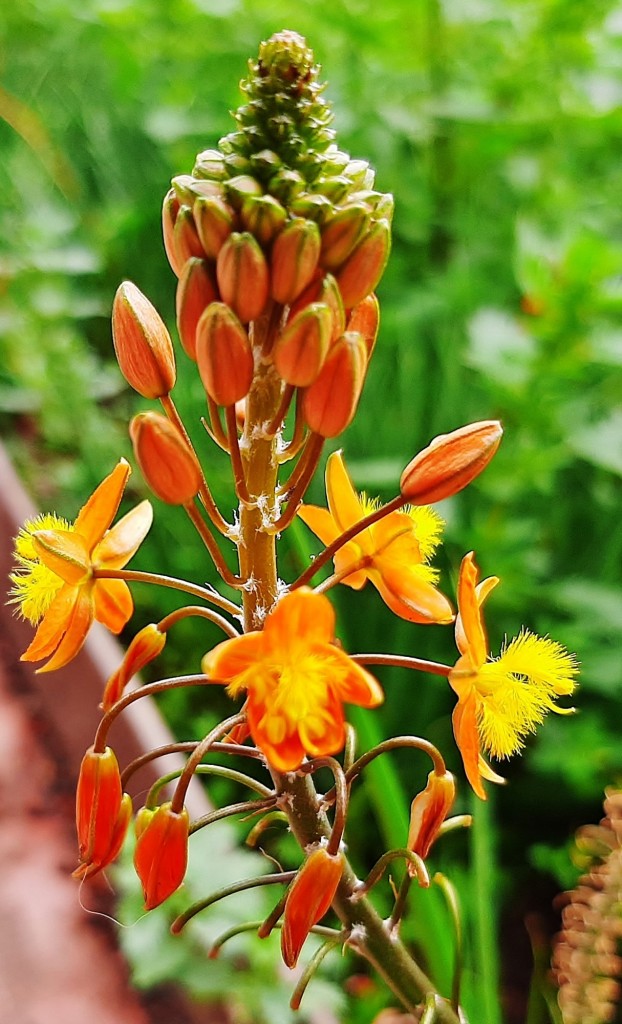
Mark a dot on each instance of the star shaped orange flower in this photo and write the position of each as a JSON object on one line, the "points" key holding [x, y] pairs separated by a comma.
{"points": [[393, 553], [54, 582], [296, 678]]}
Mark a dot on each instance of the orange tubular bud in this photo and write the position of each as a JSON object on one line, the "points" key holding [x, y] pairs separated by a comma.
{"points": [[102, 811], [170, 209], [295, 256], [242, 274], [161, 854], [142, 344], [186, 240], [450, 462], [428, 812], [196, 289], [322, 289], [263, 216], [145, 646], [362, 270], [224, 355], [308, 900], [167, 462], [301, 348], [214, 223], [341, 233], [330, 403], [365, 318]]}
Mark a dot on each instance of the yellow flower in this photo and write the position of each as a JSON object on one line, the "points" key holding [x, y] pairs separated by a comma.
{"points": [[53, 583], [502, 700], [296, 679], [393, 553]]}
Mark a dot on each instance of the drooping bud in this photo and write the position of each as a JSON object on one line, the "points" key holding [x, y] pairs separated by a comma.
{"points": [[263, 216], [450, 462], [145, 646], [102, 811], [301, 348], [214, 223], [242, 274], [186, 240], [224, 355], [428, 812], [142, 344], [195, 291], [330, 403], [365, 318], [341, 233], [161, 854], [295, 256], [170, 209], [362, 270], [308, 900], [167, 462]]}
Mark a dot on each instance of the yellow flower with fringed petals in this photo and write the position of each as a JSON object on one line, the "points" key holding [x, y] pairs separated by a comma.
{"points": [[392, 553], [53, 583], [500, 701], [296, 678]]}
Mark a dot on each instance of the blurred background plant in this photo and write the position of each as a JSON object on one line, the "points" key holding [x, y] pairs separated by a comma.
{"points": [[496, 123]]}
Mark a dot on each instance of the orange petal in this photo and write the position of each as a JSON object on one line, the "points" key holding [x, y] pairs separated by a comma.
{"points": [[76, 633], [300, 614], [471, 636], [350, 554], [324, 733], [354, 685], [101, 508], [464, 721], [64, 552], [123, 540], [233, 657], [409, 596], [112, 603], [320, 521], [343, 501], [53, 625], [286, 755]]}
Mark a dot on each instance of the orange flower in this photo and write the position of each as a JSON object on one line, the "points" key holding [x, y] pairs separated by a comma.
{"points": [[392, 553], [308, 900], [54, 582], [296, 678], [103, 812], [500, 700], [161, 854]]}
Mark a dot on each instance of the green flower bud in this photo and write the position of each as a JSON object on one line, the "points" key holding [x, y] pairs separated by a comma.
{"points": [[210, 164]]}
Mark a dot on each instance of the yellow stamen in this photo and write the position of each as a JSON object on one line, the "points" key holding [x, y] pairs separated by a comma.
{"points": [[34, 585]]}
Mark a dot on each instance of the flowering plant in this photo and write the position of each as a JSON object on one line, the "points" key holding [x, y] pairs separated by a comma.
{"points": [[278, 240]]}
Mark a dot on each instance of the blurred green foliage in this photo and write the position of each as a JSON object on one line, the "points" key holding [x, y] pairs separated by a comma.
{"points": [[496, 123]]}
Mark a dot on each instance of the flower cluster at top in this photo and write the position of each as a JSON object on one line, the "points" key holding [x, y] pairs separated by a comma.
{"points": [[278, 240]]}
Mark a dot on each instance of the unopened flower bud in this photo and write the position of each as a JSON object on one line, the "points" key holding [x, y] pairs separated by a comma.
{"points": [[186, 240], [309, 900], [241, 186], [183, 187], [360, 173], [102, 811], [263, 216], [195, 290], [286, 184], [311, 206], [330, 403], [334, 187], [295, 256], [170, 210], [224, 355], [362, 270], [365, 318], [167, 462], [428, 812], [450, 462], [322, 289], [301, 348], [210, 164], [145, 646], [242, 274], [214, 223], [161, 854], [142, 343], [341, 233]]}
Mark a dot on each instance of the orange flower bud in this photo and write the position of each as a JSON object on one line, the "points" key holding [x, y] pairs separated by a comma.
{"points": [[362, 270], [341, 233], [428, 812], [263, 216], [322, 289], [142, 344], [161, 854], [170, 209], [301, 348], [195, 290], [242, 274], [145, 646], [308, 900], [330, 403], [186, 240], [167, 462], [450, 462], [102, 811], [295, 256], [224, 355], [214, 223], [365, 318]]}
